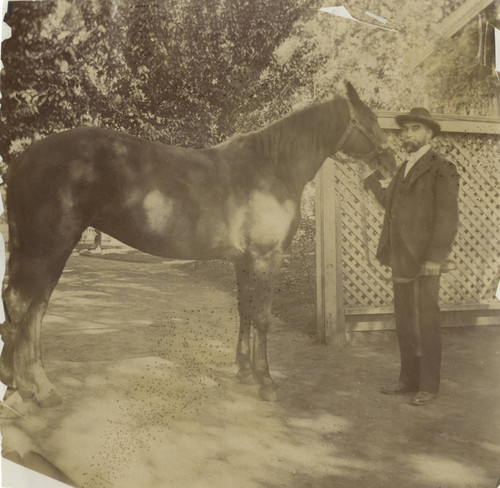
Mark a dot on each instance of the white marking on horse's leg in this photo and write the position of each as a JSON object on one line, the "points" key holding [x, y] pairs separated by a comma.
{"points": [[7, 357], [16, 306], [30, 377], [268, 388], [262, 275], [243, 351]]}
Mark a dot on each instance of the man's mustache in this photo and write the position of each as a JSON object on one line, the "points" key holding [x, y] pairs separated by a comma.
{"points": [[409, 144], [411, 147]]}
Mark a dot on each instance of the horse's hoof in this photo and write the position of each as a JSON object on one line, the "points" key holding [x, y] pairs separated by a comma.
{"points": [[51, 400], [8, 381], [9, 392], [7, 376], [270, 393], [246, 377]]}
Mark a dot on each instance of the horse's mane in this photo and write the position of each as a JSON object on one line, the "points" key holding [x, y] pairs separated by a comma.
{"points": [[286, 137]]}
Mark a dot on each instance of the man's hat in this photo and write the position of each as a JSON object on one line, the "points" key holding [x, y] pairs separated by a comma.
{"points": [[422, 115]]}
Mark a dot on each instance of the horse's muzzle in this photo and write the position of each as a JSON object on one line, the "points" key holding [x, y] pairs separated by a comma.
{"points": [[386, 158], [383, 156]]}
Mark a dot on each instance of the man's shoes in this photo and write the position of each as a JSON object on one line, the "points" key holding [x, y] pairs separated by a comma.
{"points": [[423, 398], [397, 389]]}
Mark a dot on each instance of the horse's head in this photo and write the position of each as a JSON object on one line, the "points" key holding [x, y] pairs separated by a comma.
{"points": [[363, 138]]}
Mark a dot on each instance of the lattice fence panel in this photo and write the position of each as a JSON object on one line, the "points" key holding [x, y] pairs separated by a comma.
{"points": [[475, 252]]}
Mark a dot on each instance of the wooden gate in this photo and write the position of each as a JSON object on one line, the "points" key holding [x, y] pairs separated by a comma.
{"points": [[354, 291]]}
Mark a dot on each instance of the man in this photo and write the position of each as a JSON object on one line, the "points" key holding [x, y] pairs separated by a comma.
{"points": [[419, 227]]}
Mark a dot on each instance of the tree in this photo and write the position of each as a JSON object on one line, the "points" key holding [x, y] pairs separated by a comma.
{"points": [[175, 71], [323, 50], [465, 83], [191, 73]]}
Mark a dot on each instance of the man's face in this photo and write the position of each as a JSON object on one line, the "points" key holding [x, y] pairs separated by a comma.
{"points": [[414, 135]]}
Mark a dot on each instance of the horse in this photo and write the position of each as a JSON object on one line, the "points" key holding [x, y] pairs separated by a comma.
{"points": [[238, 200]]}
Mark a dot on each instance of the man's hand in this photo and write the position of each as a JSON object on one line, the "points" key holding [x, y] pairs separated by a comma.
{"points": [[430, 269]]}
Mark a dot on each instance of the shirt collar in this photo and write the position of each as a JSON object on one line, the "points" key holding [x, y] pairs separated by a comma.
{"points": [[415, 156]]}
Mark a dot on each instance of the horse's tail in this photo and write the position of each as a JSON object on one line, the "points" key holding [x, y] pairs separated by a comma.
{"points": [[13, 245], [11, 207]]}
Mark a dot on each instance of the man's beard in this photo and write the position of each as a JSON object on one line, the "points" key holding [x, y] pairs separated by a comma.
{"points": [[411, 146]]}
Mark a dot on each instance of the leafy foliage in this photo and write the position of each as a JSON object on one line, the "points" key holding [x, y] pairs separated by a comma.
{"points": [[465, 83], [175, 71], [323, 50], [187, 72]]}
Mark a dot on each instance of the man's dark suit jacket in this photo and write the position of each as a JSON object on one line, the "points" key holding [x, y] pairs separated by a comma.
{"points": [[427, 216]]}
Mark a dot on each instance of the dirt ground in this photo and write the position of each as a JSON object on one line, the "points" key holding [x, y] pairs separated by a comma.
{"points": [[143, 355]]}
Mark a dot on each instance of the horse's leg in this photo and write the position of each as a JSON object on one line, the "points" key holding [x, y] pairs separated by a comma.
{"points": [[15, 307], [26, 301], [261, 273], [243, 351], [29, 374], [31, 283], [16, 301]]}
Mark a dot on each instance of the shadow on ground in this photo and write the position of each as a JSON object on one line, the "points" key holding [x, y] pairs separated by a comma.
{"points": [[143, 354]]}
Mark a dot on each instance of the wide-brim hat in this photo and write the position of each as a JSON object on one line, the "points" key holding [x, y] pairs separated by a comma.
{"points": [[422, 115]]}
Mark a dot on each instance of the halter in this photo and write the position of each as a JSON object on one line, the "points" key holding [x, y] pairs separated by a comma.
{"points": [[350, 128]]}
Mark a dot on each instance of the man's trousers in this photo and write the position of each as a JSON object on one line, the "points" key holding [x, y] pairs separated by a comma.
{"points": [[419, 346]]}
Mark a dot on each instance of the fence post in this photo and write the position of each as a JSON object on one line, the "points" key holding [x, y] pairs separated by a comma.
{"points": [[329, 295]]}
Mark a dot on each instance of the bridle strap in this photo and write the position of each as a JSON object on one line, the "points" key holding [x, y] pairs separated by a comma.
{"points": [[347, 132], [350, 128]]}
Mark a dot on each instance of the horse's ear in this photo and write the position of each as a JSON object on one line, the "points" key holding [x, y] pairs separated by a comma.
{"points": [[352, 94]]}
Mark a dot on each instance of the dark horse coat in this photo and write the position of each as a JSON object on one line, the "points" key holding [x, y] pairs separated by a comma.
{"points": [[239, 200]]}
